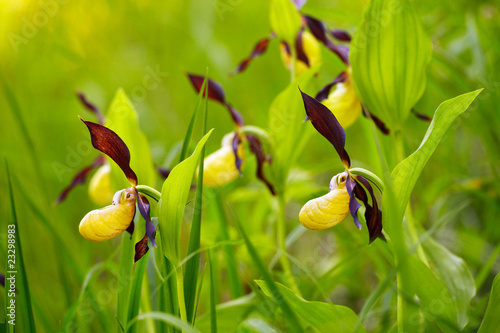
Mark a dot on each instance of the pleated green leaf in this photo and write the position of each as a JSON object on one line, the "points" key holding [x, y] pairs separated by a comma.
{"points": [[455, 274], [389, 53], [323, 317], [174, 195], [405, 174]]}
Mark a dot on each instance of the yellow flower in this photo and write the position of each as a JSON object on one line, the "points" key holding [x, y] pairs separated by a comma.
{"points": [[311, 50], [108, 222], [220, 167], [344, 103], [328, 210], [100, 186]]}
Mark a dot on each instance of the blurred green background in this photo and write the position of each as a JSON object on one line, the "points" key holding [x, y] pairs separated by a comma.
{"points": [[50, 49]]}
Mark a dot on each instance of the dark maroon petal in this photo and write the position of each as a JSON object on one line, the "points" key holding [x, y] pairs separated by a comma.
{"points": [[258, 49], [373, 214], [108, 142], [145, 210], [354, 205], [163, 172], [91, 107], [216, 93], [237, 160], [131, 227], [287, 48], [325, 91], [317, 28], [299, 48], [421, 116], [319, 31], [235, 115], [327, 125], [80, 178], [341, 35], [215, 90], [376, 120], [2, 279], [141, 248], [256, 149]]}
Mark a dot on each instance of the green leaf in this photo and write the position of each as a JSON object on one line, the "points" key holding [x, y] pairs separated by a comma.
{"points": [[122, 119], [490, 320], [16, 270], [174, 195], [455, 274], [229, 315], [285, 20], [435, 300], [287, 128], [193, 265], [213, 312], [135, 293], [389, 53], [405, 174], [324, 317]]}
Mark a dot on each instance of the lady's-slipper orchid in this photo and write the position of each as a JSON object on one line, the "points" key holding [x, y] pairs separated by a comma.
{"points": [[106, 223], [221, 167], [345, 188], [224, 165]]}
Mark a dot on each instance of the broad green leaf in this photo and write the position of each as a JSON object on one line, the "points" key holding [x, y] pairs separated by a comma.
{"points": [[287, 128], [229, 315], [455, 274], [174, 194], [405, 174], [490, 320], [389, 53], [122, 119], [435, 301], [323, 317], [22, 317], [285, 19]]}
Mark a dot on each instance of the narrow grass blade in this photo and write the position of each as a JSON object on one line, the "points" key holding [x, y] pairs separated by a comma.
{"points": [[189, 132], [167, 318], [292, 321], [16, 272], [235, 287], [213, 312], [490, 320], [125, 276], [135, 293], [193, 265]]}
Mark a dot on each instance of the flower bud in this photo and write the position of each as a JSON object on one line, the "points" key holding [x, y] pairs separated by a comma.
{"points": [[328, 210], [100, 186], [344, 103], [220, 167], [311, 49], [108, 222]]}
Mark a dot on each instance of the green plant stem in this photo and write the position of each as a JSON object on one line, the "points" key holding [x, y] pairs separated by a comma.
{"points": [[149, 191], [180, 293], [281, 231]]}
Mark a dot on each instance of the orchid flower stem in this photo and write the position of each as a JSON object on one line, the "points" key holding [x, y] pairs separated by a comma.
{"points": [[180, 293], [281, 231], [149, 191]]}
